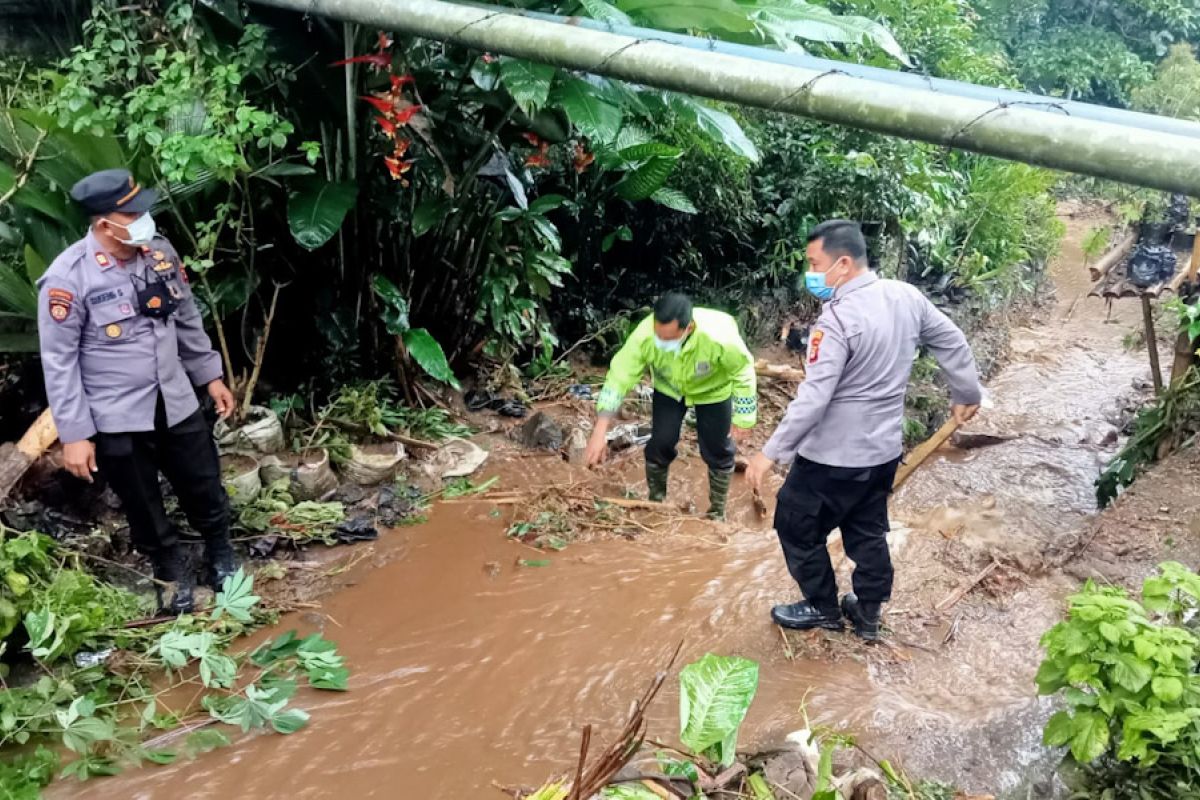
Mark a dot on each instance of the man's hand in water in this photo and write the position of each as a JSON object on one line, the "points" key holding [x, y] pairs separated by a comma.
{"points": [[597, 448], [758, 469]]}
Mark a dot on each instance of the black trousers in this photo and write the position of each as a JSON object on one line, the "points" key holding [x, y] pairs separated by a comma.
{"points": [[817, 498], [712, 429], [187, 455]]}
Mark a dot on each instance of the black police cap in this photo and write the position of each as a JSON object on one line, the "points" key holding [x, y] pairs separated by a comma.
{"points": [[112, 190]]}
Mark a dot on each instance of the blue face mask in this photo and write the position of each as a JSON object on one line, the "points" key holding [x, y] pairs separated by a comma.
{"points": [[815, 283], [669, 345]]}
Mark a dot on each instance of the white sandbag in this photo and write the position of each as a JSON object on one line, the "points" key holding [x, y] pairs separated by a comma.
{"points": [[373, 463], [261, 433]]}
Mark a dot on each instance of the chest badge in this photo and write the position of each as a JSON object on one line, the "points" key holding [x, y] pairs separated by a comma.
{"points": [[162, 266], [102, 260], [159, 255], [154, 302], [703, 368], [113, 331], [125, 308]]}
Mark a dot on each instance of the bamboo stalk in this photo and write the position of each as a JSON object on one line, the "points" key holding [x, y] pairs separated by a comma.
{"points": [[1111, 150], [1106, 262]]}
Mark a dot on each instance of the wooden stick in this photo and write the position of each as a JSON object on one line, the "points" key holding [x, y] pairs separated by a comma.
{"points": [[958, 594], [780, 371], [923, 451], [648, 505], [1106, 262], [15, 460], [1151, 344]]}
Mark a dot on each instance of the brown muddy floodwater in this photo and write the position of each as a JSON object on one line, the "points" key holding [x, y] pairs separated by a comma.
{"points": [[463, 675]]}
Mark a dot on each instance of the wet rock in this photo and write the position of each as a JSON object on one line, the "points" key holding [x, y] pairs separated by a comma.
{"points": [[577, 448], [795, 770], [969, 440], [541, 432]]}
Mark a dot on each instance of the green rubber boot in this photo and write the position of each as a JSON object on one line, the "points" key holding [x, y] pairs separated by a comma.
{"points": [[656, 481], [718, 492]]}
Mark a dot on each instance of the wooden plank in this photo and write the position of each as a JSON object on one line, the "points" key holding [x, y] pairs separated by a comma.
{"points": [[923, 451]]}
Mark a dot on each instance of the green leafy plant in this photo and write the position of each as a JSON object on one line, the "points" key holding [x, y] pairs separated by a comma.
{"points": [[715, 694], [1127, 674]]}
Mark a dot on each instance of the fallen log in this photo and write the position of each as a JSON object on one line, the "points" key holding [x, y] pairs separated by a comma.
{"points": [[16, 459], [779, 371], [923, 451]]}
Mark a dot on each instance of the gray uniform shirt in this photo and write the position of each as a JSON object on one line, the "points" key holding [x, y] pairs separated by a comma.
{"points": [[105, 363], [849, 409]]}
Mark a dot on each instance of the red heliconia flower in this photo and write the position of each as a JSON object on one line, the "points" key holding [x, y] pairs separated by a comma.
{"points": [[583, 159], [403, 115], [401, 80], [379, 104], [402, 146], [538, 160], [379, 61], [397, 168], [385, 41], [388, 126], [532, 138]]}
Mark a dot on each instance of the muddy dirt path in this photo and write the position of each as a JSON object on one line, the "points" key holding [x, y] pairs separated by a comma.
{"points": [[469, 669]]}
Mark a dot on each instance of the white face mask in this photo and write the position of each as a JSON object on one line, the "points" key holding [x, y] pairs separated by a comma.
{"points": [[140, 231], [669, 345]]}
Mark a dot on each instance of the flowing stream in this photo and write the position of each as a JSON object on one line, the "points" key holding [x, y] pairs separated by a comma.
{"points": [[468, 669]]}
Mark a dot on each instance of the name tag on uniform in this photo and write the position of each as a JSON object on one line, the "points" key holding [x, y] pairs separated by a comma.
{"points": [[703, 368]]}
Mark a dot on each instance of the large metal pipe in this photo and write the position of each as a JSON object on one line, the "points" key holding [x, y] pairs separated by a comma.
{"points": [[909, 80], [1158, 160]]}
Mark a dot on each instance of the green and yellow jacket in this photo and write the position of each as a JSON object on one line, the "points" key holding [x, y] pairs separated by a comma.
{"points": [[713, 366]]}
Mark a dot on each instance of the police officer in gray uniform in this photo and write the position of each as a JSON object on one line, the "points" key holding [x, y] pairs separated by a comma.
{"points": [[123, 347], [842, 433]]}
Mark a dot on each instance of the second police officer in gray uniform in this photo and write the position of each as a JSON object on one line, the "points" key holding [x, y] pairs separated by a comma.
{"points": [[842, 433], [122, 348]]}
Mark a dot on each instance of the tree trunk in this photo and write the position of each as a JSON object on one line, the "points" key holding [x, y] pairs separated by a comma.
{"points": [[16, 459]]}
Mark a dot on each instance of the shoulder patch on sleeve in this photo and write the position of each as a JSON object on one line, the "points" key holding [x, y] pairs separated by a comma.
{"points": [[814, 345], [59, 301]]}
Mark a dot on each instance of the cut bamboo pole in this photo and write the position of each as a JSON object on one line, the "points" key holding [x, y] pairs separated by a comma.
{"points": [[1106, 262], [923, 451], [1115, 151]]}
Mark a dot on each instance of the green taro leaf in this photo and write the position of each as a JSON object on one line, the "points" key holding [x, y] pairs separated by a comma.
{"points": [[428, 214], [686, 15], [716, 124], [674, 199], [426, 351], [605, 12], [595, 119], [527, 81], [715, 693], [317, 209]]}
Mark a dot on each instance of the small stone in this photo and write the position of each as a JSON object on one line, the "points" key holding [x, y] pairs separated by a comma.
{"points": [[541, 432], [1164, 509], [577, 448], [491, 569]]}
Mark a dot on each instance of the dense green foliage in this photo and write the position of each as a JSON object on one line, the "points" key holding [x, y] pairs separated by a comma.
{"points": [[457, 207], [1127, 673], [100, 693]]}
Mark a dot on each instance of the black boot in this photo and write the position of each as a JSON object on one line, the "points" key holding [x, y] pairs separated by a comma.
{"points": [[221, 563], [865, 616], [656, 482], [804, 615], [175, 597]]}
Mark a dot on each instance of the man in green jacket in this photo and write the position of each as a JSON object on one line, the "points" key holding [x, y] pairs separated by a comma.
{"points": [[696, 357]]}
